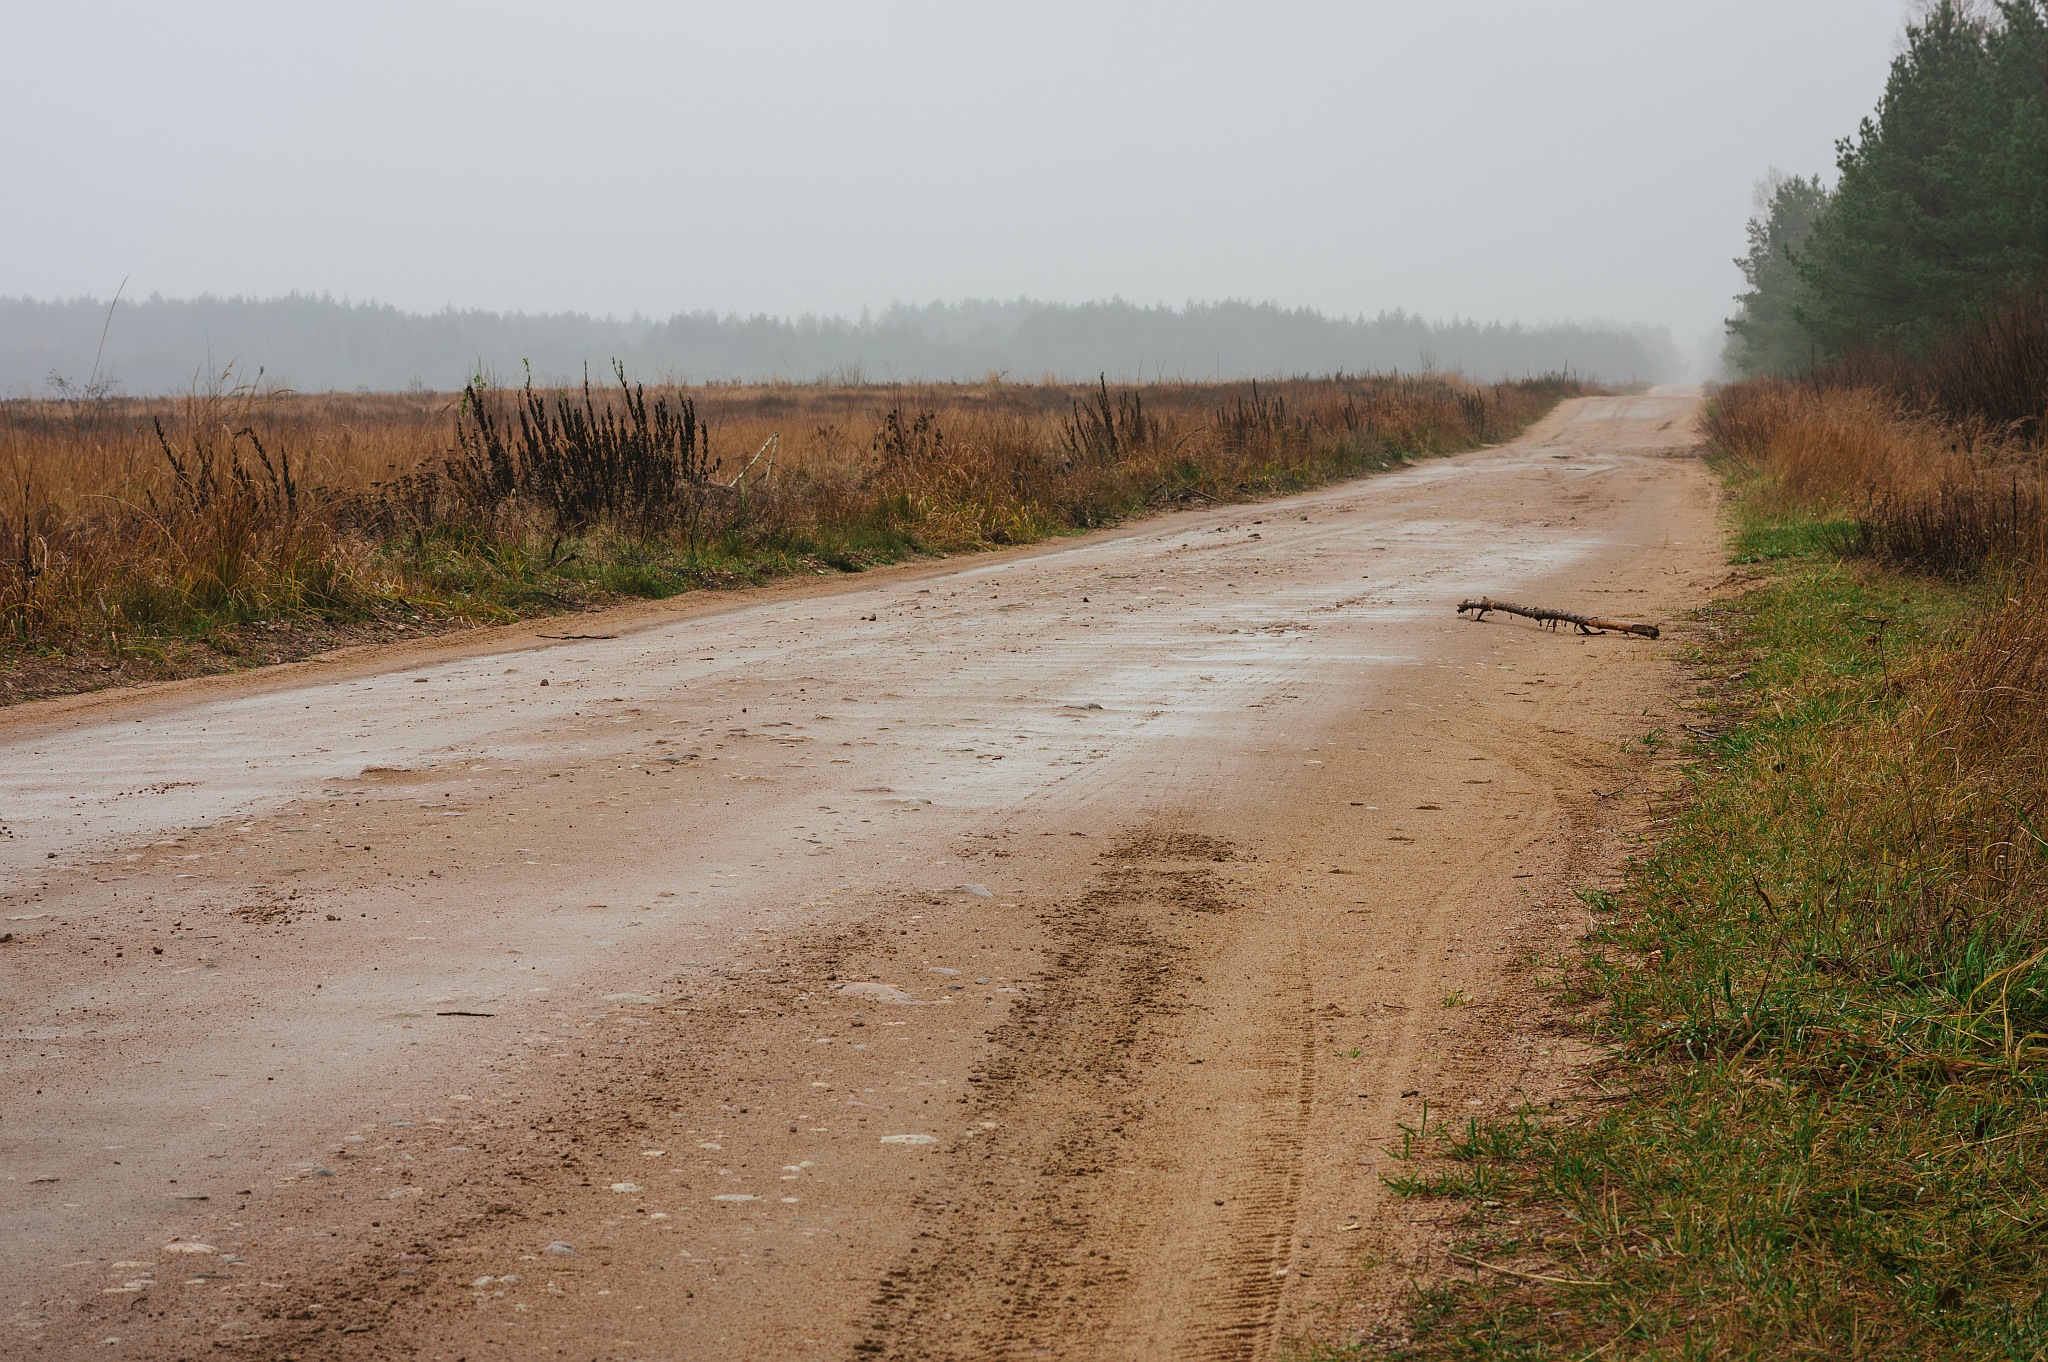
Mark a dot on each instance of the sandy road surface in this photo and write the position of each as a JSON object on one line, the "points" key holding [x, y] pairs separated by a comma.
{"points": [[1027, 957]]}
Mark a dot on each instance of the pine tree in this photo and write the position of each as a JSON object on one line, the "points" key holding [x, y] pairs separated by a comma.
{"points": [[1941, 208], [1765, 337]]}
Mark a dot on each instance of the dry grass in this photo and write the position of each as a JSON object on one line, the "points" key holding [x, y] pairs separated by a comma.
{"points": [[1993, 374], [1941, 457], [1937, 777], [1971, 795], [125, 524], [1831, 451], [1924, 491]]}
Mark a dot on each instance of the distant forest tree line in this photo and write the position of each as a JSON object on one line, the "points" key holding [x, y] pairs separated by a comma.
{"points": [[314, 343], [1938, 218]]}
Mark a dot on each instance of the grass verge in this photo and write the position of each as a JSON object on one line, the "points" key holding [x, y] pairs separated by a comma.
{"points": [[1821, 1126]]}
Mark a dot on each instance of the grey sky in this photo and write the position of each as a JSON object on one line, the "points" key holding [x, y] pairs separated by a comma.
{"points": [[1512, 160]]}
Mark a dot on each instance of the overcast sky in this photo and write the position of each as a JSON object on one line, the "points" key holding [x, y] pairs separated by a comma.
{"points": [[1578, 159]]}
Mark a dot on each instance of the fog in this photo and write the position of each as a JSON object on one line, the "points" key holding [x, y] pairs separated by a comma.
{"points": [[1487, 161], [318, 344]]}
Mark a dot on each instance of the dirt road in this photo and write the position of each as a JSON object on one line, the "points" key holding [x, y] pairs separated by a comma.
{"points": [[1024, 956]]}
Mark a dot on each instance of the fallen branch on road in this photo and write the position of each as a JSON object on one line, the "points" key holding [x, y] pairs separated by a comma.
{"points": [[1588, 624]]}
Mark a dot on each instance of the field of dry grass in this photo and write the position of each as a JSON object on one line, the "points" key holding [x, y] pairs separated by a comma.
{"points": [[236, 526]]}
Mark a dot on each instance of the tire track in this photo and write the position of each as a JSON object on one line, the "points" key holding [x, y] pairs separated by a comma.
{"points": [[1241, 1299], [1021, 1260]]}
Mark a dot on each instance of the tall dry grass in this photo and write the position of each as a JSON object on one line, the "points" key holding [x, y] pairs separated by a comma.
{"points": [[122, 519], [1993, 374], [1969, 799], [1920, 490], [1950, 800], [1939, 455]]}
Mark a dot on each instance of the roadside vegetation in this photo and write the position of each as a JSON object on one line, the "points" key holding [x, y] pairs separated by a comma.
{"points": [[1822, 993], [240, 526], [1821, 1125]]}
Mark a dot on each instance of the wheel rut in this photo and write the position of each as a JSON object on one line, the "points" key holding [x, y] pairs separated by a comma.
{"points": [[1240, 1299], [1044, 1231]]}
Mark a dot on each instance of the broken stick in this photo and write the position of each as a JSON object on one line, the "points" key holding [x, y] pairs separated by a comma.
{"points": [[1588, 624]]}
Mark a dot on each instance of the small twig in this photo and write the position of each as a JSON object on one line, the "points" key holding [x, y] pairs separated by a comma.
{"points": [[1526, 1276], [570, 636]]}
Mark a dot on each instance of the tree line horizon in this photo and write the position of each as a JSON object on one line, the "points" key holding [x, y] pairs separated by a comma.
{"points": [[157, 345]]}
